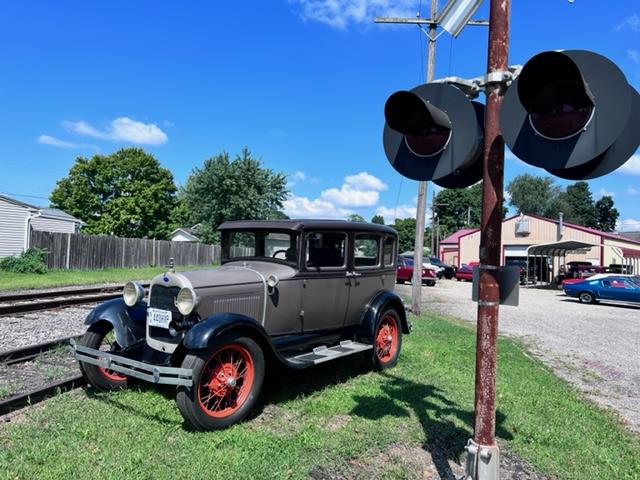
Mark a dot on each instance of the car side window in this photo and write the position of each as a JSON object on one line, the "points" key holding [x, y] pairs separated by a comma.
{"points": [[326, 249], [366, 250], [388, 250]]}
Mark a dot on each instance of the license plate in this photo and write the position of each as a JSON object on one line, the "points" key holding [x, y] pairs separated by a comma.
{"points": [[158, 318]]}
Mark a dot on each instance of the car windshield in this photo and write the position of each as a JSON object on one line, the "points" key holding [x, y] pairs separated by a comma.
{"points": [[263, 244]]}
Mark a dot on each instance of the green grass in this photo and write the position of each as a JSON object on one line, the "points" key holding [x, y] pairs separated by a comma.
{"points": [[338, 419], [59, 278]]}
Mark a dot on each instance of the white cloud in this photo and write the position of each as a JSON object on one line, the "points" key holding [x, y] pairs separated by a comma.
{"points": [[56, 142], [604, 192], [401, 211], [298, 175], [628, 225], [302, 207], [634, 56], [632, 23], [365, 181], [340, 14], [632, 191], [359, 190], [349, 196], [632, 166], [122, 129]]}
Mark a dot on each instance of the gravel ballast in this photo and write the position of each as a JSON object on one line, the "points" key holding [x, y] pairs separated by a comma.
{"points": [[594, 347]]}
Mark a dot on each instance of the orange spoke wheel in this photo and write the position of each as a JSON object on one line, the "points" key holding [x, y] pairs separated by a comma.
{"points": [[387, 340], [109, 344], [100, 336], [226, 381]]}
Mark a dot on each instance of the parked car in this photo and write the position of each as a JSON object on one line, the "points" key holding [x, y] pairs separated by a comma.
{"points": [[465, 272], [306, 292], [616, 288], [579, 269], [447, 271], [404, 272]]}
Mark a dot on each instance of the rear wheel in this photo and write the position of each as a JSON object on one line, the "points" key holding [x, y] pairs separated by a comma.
{"points": [[586, 297], [101, 336], [227, 379], [387, 340]]}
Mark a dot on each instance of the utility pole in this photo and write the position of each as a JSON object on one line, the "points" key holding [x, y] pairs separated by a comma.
{"points": [[483, 458], [421, 210], [432, 22]]}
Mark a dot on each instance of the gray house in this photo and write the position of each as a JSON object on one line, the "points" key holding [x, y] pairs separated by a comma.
{"points": [[18, 219]]}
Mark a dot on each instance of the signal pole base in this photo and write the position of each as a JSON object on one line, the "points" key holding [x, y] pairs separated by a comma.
{"points": [[483, 462]]}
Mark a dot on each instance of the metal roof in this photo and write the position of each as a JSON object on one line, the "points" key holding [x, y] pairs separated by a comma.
{"points": [[559, 248], [299, 225]]}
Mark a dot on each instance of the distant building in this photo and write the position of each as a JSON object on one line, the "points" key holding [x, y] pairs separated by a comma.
{"points": [[18, 219], [521, 232], [185, 234]]}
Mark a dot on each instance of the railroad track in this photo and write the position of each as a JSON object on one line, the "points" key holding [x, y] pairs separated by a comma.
{"points": [[35, 301], [35, 395]]}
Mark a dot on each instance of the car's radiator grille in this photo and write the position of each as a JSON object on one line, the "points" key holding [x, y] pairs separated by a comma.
{"points": [[164, 298]]}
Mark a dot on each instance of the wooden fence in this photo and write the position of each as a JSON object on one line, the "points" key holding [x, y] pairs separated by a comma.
{"points": [[93, 252]]}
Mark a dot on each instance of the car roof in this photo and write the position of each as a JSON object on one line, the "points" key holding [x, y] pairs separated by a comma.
{"points": [[299, 225]]}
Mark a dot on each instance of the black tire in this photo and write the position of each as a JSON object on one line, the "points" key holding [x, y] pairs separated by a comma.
{"points": [[586, 297], [222, 410], [100, 336], [386, 355]]}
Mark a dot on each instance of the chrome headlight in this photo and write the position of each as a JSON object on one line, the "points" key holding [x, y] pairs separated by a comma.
{"points": [[187, 300], [132, 293]]}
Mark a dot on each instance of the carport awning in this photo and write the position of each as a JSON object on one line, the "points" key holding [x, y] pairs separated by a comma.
{"points": [[630, 253], [559, 248]]}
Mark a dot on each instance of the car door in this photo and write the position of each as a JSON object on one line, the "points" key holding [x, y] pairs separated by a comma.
{"points": [[371, 270], [325, 285]]}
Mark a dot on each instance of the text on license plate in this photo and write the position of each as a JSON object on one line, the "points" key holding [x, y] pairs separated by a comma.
{"points": [[158, 318]]}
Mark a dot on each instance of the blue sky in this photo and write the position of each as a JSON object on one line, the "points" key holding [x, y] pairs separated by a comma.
{"points": [[302, 83]]}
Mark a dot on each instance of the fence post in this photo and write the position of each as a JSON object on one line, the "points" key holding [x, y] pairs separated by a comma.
{"points": [[124, 242], [68, 250], [153, 252]]}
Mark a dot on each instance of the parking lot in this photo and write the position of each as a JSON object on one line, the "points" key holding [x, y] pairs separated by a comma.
{"points": [[595, 347]]}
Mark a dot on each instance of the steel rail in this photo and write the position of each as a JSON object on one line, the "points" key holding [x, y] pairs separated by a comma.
{"points": [[22, 400], [14, 297], [23, 354]]}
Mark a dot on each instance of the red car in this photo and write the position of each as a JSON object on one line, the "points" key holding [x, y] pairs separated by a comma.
{"points": [[465, 272], [404, 272]]}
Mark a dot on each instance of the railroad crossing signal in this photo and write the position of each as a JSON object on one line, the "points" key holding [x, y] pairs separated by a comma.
{"points": [[572, 113], [433, 132]]}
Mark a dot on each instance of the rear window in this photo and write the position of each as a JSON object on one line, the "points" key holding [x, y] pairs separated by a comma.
{"points": [[388, 250], [366, 250]]}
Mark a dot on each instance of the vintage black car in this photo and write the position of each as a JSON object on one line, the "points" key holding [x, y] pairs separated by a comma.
{"points": [[289, 292]]}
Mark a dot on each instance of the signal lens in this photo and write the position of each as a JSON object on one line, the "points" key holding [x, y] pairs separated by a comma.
{"points": [[561, 110], [429, 142]]}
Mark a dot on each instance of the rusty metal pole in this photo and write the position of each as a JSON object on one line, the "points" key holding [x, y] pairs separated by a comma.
{"points": [[483, 458]]}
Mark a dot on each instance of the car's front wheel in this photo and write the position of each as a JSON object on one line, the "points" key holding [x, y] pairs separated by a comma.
{"points": [[586, 297], [101, 336], [227, 379], [387, 340]]}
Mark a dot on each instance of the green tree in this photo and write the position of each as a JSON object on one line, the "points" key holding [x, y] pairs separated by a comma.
{"points": [[456, 207], [406, 228], [354, 217], [126, 193], [582, 211], [379, 219], [534, 195], [238, 189], [606, 214]]}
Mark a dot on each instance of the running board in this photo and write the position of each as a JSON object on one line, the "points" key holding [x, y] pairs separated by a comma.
{"points": [[324, 354]]}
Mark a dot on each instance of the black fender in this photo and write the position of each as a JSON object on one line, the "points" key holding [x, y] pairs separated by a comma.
{"points": [[382, 301], [129, 323]]}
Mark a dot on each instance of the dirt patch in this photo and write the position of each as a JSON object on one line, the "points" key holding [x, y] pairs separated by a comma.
{"points": [[337, 422], [276, 420], [413, 461]]}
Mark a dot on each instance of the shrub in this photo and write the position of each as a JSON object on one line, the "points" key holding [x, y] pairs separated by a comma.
{"points": [[31, 261]]}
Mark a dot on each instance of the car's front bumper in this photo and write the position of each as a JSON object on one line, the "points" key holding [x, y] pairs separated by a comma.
{"points": [[159, 374]]}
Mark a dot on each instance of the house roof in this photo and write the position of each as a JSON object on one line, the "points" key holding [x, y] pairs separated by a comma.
{"points": [[44, 211], [454, 237], [190, 233]]}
